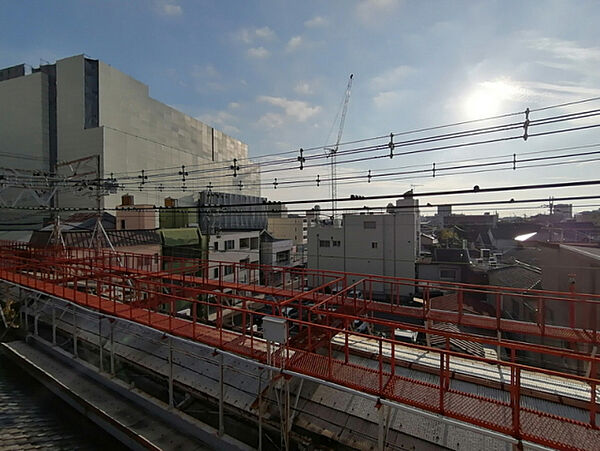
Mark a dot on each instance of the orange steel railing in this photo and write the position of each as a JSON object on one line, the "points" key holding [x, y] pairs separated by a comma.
{"points": [[147, 289]]}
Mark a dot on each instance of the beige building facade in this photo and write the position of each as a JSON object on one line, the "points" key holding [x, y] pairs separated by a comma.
{"points": [[79, 108]]}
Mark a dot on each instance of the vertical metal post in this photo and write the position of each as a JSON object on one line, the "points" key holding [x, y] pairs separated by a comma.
{"points": [[380, 365], [171, 403], [100, 344], [381, 429], [221, 397], [112, 348], [286, 431], [516, 400], [26, 315], [35, 318], [260, 409], [442, 383], [74, 333], [53, 325]]}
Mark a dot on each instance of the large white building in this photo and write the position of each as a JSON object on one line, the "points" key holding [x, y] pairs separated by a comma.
{"points": [[381, 244], [80, 107]]}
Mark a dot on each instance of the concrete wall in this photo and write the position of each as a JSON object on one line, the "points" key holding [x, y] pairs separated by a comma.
{"points": [[24, 122], [74, 141], [236, 254], [387, 249], [134, 132], [143, 133], [24, 138], [294, 229], [270, 249], [143, 219]]}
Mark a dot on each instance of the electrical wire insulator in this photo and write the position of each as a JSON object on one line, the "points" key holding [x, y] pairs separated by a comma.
{"points": [[526, 125], [391, 145], [301, 159], [235, 167]]}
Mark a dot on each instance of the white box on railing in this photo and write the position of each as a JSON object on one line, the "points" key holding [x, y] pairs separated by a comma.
{"points": [[275, 329]]}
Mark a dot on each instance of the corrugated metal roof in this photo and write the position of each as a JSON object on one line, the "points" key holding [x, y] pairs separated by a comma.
{"points": [[80, 238]]}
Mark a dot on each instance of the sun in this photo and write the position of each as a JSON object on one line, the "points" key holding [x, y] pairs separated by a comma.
{"points": [[489, 98]]}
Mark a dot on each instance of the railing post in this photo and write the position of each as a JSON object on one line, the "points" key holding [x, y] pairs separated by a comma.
{"points": [[221, 396], [442, 382], [460, 304], [516, 400], [498, 310], [329, 360], [593, 405], [593, 394], [571, 313], [541, 316], [380, 366], [171, 403], [346, 351]]}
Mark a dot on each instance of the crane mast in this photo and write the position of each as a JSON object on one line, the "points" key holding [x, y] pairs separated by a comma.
{"points": [[333, 151]]}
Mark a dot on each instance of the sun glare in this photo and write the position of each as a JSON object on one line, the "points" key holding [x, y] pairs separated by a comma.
{"points": [[489, 98]]}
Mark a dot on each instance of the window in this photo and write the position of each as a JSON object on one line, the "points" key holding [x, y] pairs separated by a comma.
{"points": [[336, 243], [216, 245], [448, 274], [370, 225], [229, 244], [244, 261], [374, 245], [227, 270], [283, 256], [216, 273], [123, 224], [254, 243], [324, 243], [244, 243]]}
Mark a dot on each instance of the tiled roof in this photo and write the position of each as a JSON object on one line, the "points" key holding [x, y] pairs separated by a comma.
{"points": [[516, 276]]}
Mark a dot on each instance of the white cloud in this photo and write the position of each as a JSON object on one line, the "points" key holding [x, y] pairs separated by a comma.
{"points": [[264, 33], [303, 88], [296, 109], [373, 11], [294, 43], [271, 120], [169, 8], [233, 105], [566, 50], [317, 21], [250, 35], [390, 78], [258, 52]]}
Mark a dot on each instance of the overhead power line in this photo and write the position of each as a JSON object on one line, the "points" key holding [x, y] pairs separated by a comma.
{"points": [[475, 190]]}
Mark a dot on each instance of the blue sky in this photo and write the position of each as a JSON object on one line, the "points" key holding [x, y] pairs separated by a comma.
{"points": [[272, 73]]}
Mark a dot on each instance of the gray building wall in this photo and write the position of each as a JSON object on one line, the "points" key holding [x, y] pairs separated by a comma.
{"points": [[387, 249], [24, 138], [130, 132]]}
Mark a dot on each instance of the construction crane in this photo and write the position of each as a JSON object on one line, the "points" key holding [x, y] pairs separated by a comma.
{"points": [[333, 151]]}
